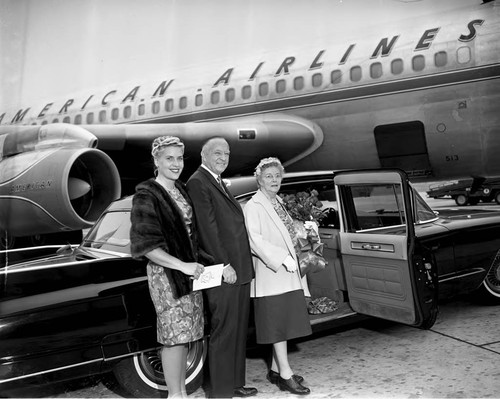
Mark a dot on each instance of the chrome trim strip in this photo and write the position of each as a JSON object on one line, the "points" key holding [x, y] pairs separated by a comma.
{"points": [[36, 248], [24, 268], [460, 276], [131, 354], [49, 371]]}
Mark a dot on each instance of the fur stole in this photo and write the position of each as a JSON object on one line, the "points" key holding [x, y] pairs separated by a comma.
{"points": [[157, 222]]}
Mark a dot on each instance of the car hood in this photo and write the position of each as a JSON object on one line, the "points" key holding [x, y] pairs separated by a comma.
{"points": [[457, 219]]}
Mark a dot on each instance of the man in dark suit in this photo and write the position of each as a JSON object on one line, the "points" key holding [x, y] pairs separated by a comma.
{"points": [[223, 235]]}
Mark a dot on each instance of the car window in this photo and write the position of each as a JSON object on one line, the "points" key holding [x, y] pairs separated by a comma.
{"points": [[111, 233], [326, 195], [375, 206], [423, 212]]}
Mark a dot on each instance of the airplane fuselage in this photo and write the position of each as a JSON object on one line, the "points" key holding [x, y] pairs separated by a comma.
{"points": [[424, 99], [421, 96]]}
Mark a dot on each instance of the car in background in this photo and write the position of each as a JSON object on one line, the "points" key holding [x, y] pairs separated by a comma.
{"points": [[86, 310]]}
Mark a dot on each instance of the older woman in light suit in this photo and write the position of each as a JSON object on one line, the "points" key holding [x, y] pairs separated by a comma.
{"points": [[278, 289]]}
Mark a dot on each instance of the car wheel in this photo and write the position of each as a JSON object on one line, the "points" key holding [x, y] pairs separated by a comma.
{"points": [[142, 374], [490, 290], [461, 200], [497, 198]]}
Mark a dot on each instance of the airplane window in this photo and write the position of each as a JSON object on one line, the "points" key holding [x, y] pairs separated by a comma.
{"points": [[280, 86], [55, 121], [78, 119], [263, 89], [246, 134], [127, 111], [246, 92], [463, 55], [356, 74], [66, 119], [183, 102], [376, 70], [44, 122], [418, 63], [230, 94], [397, 66], [440, 58], [142, 109], [298, 83], [215, 97], [336, 76], [90, 118], [198, 100], [114, 114], [155, 107], [317, 79], [169, 105], [102, 116]]}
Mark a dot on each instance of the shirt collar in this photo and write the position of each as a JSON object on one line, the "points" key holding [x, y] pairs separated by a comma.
{"points": [[215, 176]]}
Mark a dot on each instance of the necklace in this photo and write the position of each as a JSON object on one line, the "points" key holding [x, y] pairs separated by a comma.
{"points": [[273, 200], [172, 190]]}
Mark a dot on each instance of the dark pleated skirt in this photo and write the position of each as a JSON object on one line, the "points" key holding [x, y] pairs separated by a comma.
{"points": [[281, 317]]}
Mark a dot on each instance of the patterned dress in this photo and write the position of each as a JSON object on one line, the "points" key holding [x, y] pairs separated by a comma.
{"points": [[287, 221], [180, 320]]}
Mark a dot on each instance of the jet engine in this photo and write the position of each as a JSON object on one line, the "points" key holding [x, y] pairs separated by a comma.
{"points": [[55, 189]]}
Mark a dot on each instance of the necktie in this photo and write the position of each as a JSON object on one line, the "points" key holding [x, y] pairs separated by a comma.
{"points": [[219, 180]]}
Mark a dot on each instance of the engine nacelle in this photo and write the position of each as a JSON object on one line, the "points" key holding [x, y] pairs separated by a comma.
{"points": [[58, 189]]}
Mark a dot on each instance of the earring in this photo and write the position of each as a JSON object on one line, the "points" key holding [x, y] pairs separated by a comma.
{"points": [[155, 172]]}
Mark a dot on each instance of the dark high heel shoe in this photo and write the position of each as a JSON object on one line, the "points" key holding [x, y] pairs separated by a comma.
{"points": [[272, 377], [291, 385]]}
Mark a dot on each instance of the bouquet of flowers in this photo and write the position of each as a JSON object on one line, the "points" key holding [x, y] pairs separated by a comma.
{"points": [[305, 209], [303, 206]]}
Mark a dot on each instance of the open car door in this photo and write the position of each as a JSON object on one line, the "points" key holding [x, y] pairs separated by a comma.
{"points": [[385, 277]]}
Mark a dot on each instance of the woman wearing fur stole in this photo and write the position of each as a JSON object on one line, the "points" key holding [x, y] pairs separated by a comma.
{"points": [[163, 232]]}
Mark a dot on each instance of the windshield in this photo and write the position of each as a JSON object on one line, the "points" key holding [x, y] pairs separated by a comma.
{"points": [[110, 233]]}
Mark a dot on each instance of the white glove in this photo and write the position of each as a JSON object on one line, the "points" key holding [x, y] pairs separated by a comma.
{"points": [[290, 264]]}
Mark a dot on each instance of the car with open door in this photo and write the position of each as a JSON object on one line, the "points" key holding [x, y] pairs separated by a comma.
{"points": [[86, 309]]}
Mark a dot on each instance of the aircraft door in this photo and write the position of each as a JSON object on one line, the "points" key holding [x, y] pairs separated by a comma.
{"points": [[383, 274], [403, 146]]}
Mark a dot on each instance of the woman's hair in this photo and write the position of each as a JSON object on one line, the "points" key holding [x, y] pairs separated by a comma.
{"points": [[267, 163], [165, 141]]}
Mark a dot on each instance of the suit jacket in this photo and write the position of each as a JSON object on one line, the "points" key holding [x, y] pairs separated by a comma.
{"points": [[271, 244], [221, 224]]}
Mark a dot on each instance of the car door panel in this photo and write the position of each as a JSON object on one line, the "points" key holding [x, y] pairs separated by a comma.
{"points": [[330, 238], [377, 245], [378, 279]]}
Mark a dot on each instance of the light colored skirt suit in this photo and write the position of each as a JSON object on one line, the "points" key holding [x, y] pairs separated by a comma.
{"points": [[279, 296]]}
